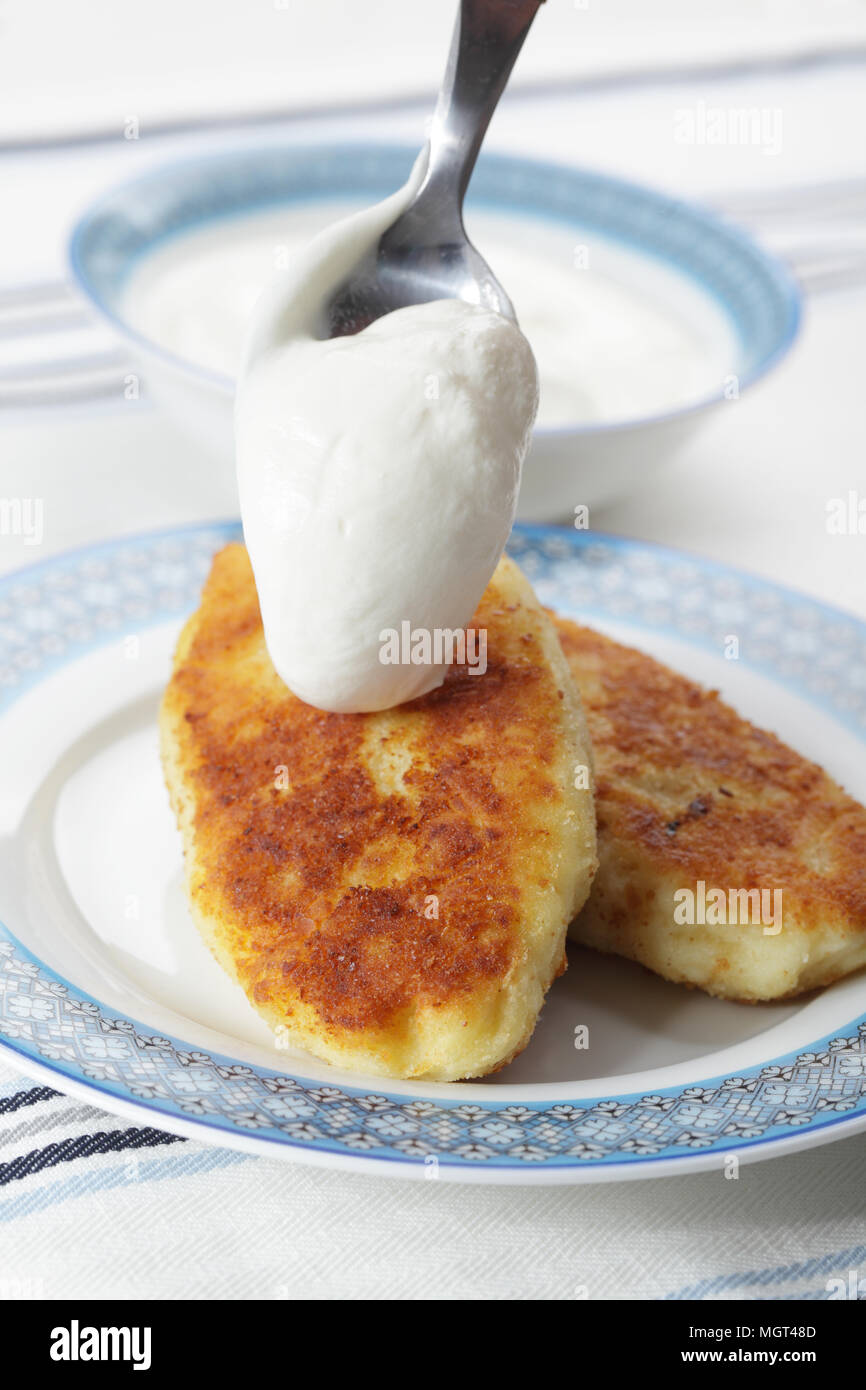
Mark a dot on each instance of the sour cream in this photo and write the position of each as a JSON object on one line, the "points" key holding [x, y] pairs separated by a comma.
{"points": [[616, 334], [378, 474]]}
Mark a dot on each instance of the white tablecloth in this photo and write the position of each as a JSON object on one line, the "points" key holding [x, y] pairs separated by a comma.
{"points": [[185, 1221]]}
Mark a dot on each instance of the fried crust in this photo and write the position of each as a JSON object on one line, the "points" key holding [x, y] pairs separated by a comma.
{"points": [[687, 790], [391, 890]]}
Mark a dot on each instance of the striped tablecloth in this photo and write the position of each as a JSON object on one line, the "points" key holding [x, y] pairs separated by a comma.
{"points": [[91, 1206]]}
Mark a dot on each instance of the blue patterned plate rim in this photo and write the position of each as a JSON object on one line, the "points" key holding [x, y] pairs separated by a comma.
{"points": [[683, 233], [804, 1094]]}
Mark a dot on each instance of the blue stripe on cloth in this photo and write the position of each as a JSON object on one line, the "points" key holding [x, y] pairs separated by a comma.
{"points": [[163, 1168], [777, 1274], [19, 1099], [83, 1146]]}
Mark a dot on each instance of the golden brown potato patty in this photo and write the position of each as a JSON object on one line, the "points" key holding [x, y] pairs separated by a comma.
{"points": [[391, 890], [689, 793]]}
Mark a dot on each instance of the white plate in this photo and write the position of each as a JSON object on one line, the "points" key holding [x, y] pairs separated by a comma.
{"points": [[107, 991]]}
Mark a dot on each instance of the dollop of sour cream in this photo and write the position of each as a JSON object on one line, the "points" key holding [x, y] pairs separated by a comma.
{"points": [[378, 473]]}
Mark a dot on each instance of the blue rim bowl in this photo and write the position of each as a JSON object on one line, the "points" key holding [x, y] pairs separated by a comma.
{"points": [[758, 295]]}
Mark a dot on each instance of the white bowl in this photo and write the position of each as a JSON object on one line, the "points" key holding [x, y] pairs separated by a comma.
{"points": [[725, 279]]}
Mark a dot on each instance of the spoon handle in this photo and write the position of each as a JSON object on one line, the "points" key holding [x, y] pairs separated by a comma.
{"points": [[487, 38]]}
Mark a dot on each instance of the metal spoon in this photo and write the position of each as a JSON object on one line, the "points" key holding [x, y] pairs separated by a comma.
{"points": [[426, 253]]}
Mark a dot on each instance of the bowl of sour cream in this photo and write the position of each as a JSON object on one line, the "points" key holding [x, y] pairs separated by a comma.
{"points": [[644, 312]]}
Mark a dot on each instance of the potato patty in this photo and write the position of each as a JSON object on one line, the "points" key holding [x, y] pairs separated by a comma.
{"points": [[692, 798], [391, 890]]}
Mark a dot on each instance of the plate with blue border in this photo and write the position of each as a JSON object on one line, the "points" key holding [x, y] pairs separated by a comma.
{"points": [[107, 993]]}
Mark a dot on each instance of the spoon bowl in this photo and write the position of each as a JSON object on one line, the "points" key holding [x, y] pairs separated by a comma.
{"points": [[416, 261]]}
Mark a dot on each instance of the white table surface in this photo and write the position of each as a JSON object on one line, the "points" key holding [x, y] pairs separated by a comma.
{"points": [[753, 490]]}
